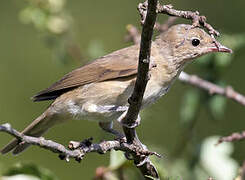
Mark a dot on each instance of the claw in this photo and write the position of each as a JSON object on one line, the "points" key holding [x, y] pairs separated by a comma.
{"points": [[133, 125], [108, 127]]}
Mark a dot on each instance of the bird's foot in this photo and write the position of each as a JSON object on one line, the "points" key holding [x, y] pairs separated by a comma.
{"points": [[113, 108], [108, 127], [132, 125]]}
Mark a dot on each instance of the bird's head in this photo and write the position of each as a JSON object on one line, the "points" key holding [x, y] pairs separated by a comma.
{"points": [[186, 43]]}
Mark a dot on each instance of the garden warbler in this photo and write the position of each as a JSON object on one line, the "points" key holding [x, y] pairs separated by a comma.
{"points": [[100, 90]]}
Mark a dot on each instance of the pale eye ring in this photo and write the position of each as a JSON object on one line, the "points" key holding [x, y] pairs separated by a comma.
{"points": [[195, 42]]}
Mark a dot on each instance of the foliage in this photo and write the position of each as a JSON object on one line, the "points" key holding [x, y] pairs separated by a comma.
{"points": [[28, 171], [51, 19], [189, 161]]}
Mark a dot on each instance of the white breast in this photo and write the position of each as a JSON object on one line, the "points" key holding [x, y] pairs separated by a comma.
{"points": [[153, 93]]}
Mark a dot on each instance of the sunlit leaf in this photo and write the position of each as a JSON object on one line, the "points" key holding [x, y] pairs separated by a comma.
{"points": [[217, 160], [31, 169], [117, 159], [20, 177]]}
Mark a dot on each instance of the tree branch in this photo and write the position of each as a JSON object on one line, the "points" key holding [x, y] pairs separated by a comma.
{"points": [[135, 101], [143, 68], [233, 137], [197, 20], [133, 146], [227, 92], [77, 149]]}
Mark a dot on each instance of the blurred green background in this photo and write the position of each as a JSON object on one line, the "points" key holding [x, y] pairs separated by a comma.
{"points": [[30, 62]]}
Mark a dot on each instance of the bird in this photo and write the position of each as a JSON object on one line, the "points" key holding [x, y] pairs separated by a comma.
{"points": [[100, 90]]}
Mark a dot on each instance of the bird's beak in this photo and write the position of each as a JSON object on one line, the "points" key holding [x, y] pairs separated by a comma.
{"points": [[217, 47]]}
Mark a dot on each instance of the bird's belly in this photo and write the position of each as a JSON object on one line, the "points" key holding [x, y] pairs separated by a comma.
{"points": [[95, 112], [153, 94], [98, 101]]}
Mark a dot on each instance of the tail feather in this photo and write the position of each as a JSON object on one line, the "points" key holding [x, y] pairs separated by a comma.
{"points": [[37, 128], [20, 148], [10, 146]]}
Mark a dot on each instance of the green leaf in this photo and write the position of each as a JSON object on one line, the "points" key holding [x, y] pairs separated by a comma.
{"points": [[25, 15], [20, 177], [31, 169], [36, 16], [117, 159]]}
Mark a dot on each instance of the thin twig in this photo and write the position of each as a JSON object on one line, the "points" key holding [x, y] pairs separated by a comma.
{"points": [[133, 146], [77, 149], [233, 137], [228, 92], [197, 20], [143, 163]]}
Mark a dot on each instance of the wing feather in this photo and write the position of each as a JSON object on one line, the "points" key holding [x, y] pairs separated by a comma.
{"points": [[121, 63]]}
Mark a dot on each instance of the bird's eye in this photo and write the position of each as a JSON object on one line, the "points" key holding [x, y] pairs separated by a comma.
{"points": [[195, 42]]}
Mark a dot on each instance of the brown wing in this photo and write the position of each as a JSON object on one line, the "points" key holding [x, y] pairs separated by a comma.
{"points": [[121, 63]]}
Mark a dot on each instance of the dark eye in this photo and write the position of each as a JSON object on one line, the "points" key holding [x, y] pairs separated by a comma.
{"points": [[195, 42]]}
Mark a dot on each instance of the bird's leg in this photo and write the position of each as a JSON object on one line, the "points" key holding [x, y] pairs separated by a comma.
{"points": [[124, 109], [113, 108], [108, 127], [137, 122]]}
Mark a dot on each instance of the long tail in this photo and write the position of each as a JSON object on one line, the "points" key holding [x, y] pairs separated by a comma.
{"points": [[37, 128]]}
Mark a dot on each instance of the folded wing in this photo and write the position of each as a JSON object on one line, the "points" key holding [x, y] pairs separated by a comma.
{"points": [[121, 63]]}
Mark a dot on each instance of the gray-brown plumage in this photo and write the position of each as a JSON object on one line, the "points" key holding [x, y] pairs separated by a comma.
{"points": [[100, 89], [115, 65]]}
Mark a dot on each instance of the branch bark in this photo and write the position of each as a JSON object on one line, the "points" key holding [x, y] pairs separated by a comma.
{"points": [[77, 149], [133, 146], [227, 92], [135, 101], [233, 137], [143, 68], [197, 20]]}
